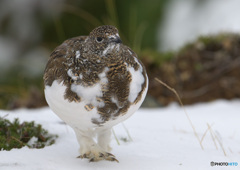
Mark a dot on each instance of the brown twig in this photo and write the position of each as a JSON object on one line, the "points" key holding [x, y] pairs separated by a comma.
{"points": [[23, 144]]}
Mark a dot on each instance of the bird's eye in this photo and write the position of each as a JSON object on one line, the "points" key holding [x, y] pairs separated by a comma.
{"points": [[99, 39]]}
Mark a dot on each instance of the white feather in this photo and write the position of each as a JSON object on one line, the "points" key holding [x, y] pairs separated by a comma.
{"points": [[72, 113], [77, 54], [71, 74], [135, 84]]}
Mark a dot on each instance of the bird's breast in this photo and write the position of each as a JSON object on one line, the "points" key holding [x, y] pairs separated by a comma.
{"points": [[100, 93]]}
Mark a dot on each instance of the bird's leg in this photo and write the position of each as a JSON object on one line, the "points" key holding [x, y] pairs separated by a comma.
{"points": [[85, 141], [104, 139], [90, 149]]}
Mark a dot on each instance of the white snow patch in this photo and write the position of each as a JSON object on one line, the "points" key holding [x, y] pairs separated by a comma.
{"points": [[185, 20], [32, 141], [162, 139]]}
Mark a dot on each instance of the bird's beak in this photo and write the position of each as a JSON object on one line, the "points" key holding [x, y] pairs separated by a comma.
{"points": [[115, 39]]}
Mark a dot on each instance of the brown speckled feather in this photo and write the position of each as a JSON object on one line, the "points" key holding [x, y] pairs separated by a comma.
{"points": [[89, 64], [93, 83]]}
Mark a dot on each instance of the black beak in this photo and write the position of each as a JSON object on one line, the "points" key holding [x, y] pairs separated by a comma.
{"points": [[115, 39]]}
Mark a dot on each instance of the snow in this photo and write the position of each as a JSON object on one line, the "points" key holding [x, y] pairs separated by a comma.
{"points": [[162, 139], [185, 20]]}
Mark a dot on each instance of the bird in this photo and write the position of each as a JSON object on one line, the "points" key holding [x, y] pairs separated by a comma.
{"points": [[93, 83]]}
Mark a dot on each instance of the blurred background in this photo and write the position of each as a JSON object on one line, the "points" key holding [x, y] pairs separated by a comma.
{"points": [[192, 45]]}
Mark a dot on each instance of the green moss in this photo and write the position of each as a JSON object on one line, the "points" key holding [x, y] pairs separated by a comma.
{"points": [[19, 90], [213, 39], [17, 135], [156, 58], [198, 67], [212, 42]]}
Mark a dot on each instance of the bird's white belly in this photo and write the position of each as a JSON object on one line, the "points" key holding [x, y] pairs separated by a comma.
{"points": [[72, 113], [75, 114]]}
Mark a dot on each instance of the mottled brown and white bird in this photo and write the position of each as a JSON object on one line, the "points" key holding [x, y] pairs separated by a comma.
{"points": [[93, 83]]}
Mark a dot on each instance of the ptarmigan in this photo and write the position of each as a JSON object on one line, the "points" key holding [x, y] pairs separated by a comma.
{"points": [[93, 83]]}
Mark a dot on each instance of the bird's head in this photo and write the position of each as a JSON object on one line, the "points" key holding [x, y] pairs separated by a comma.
{"points": [[101, 37]]}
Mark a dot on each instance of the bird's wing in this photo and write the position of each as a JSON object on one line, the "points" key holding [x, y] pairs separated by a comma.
{"points": [[57, 66]]}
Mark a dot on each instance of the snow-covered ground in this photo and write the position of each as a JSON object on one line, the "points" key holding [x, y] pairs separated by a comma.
{"points": [[162, 139]]}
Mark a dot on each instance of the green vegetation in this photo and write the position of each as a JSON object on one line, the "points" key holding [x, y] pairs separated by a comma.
{"points": [[137, 22], [18, 90], [156, 58], [213, 41], [17, 135]]}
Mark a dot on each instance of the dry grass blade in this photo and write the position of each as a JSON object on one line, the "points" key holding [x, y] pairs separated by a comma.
{"points": [[220, 143], [5, 116], [82, 14], [212, 135], [180, 101], [59, 29], [112, 12], [205, 133], [230, 149], [129, 136], [23, 144], [115, 136]]}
